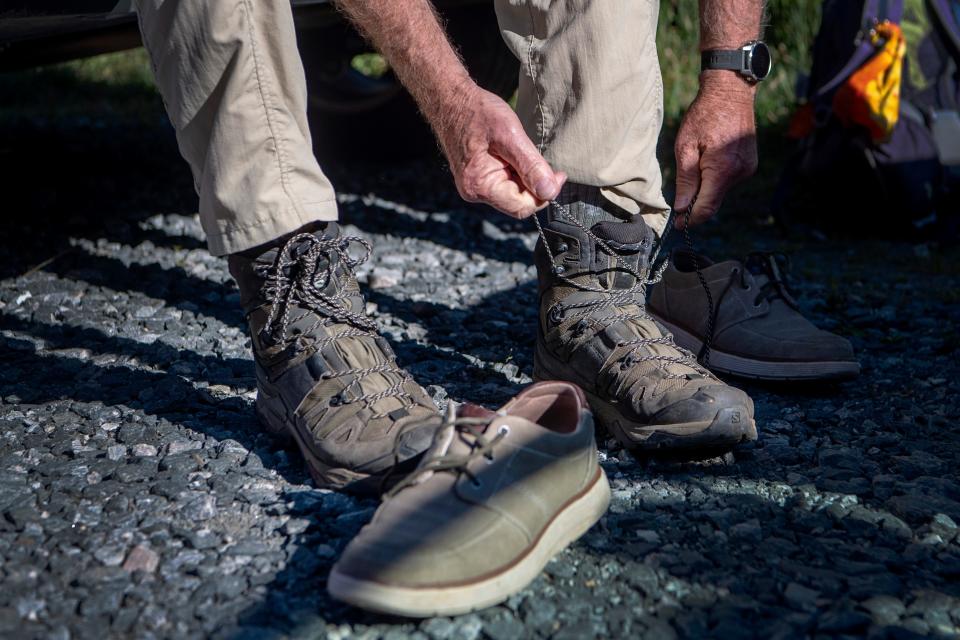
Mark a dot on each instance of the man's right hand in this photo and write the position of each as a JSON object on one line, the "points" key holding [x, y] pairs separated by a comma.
{"points": [[492, 159]]}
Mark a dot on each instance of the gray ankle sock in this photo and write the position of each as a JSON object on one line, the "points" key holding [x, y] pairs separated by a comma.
{"points": [[587, 205]]}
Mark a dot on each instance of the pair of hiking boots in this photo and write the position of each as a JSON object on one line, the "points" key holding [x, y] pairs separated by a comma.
{"points": [[328, 380], [482, 500]]}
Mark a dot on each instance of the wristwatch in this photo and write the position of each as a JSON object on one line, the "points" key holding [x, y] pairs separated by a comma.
{"points": [[752, 61]]}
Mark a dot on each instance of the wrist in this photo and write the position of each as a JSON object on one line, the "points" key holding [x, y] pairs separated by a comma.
{"points": [[729, 85], [445, 98]]}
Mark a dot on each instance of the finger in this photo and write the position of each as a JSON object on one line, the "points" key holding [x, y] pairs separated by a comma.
{"points": [[493, 182], [511, 198], [688, 176], [535, 173], [712, 191]]}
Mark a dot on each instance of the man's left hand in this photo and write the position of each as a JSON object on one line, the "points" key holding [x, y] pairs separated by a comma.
{"points": [[717, 144]]}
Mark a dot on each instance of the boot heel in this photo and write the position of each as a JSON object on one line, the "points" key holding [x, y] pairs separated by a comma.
{"points": [[273, 423]]}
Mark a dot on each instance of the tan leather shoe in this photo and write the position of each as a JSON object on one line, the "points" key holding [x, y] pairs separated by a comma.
{"points": [[494, 499]]}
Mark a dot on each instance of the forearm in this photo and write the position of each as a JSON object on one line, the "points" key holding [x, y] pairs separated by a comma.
{"points": [[729, 24], [409, 34]]}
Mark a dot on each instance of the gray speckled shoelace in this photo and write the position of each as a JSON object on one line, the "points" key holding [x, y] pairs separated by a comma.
{"points": [[624, 297], [481, 445], [303, 269]]}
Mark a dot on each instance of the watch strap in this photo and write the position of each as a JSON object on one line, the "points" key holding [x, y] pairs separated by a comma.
{"points": [[722, 59]]}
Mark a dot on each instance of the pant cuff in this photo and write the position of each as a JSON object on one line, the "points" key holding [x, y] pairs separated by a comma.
{"points": [[236, 239]]}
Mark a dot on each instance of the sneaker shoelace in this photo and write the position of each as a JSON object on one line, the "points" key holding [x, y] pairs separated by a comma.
{"points": [[618, 298], [302, 270], [776, 267], [450, 426]]}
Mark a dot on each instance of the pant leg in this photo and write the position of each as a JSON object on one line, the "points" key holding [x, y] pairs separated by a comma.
{"points": [[234, 87], [591, 94]]}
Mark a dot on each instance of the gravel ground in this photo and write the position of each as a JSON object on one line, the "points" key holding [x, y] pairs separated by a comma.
{"points": [[138, 497]]}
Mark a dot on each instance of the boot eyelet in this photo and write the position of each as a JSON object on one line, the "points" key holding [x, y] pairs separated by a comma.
{"points": [[562, 247], [336, 401], [556, 315], [504, 430], [476, 483], [558, 270]]}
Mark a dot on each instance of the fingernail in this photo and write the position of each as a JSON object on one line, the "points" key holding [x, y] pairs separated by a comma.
{"points": [[545, 188]]}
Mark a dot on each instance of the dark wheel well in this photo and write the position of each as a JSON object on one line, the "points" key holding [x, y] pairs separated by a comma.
{"points": [[353, 115]]}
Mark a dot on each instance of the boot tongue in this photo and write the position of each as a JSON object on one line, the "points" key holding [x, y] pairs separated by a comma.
{"points": [[631, 240], [326, 232], [627, 237]]}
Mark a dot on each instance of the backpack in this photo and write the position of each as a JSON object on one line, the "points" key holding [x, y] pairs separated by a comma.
{"points": [[898, 167]]}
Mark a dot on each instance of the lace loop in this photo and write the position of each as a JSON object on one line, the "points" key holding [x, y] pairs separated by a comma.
{"points": [[304, 268], [480, 447]]}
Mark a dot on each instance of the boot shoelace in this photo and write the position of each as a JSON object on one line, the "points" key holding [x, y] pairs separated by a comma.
{"points": [[448, 427], [298, 277], [622, 297]]}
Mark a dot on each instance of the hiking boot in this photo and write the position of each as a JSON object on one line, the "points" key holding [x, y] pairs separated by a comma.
{"points": [[325, 377], [594, 332], [493, 500], [757, 330]]}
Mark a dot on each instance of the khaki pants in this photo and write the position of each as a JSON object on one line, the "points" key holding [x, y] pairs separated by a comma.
{"points": [[233, 84]]}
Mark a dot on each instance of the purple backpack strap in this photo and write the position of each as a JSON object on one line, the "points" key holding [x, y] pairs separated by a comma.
{"points": [[873, 10], [945, 12]]}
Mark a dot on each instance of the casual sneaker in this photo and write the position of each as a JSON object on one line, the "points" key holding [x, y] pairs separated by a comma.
{"points": [[594, 332], [757, 330], [494, 499], [325, 377]]}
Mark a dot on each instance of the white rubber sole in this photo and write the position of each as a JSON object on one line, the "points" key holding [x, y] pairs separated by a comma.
{"points": [[762, 369], [569, 524]]}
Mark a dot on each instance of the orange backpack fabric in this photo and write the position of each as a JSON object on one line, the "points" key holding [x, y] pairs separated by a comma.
{"points": [[870, 98]]}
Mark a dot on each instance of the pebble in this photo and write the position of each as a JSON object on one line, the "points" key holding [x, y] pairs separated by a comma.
{"points": [[111, 555], [142, 450], [200, 509], [116, 452], [141, 558]]}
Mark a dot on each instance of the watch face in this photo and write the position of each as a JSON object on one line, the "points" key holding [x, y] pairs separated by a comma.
{"points": [[760, 61]]}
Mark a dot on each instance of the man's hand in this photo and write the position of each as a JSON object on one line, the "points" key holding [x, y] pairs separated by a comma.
{"points": [[492, 159], [717, 144]]}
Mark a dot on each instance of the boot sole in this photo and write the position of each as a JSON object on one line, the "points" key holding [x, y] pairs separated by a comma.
{"points": [[695, 440], [324, 476], [571, 522], [756, 369]]}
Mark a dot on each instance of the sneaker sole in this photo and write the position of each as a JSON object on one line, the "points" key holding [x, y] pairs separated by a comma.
{"points": [[324, 475], [696, 440], [571, 522], [755, 369]]}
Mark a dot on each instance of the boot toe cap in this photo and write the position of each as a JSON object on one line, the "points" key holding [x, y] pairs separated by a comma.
{"points": [[705, 405]]}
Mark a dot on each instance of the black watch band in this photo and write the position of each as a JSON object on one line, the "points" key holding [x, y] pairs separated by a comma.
{"points": [[752, 61], [719, 59]]}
